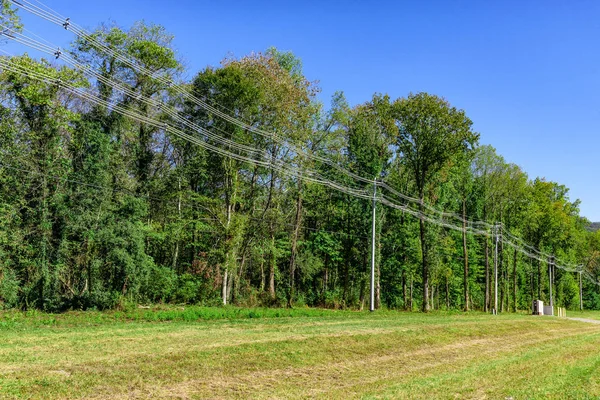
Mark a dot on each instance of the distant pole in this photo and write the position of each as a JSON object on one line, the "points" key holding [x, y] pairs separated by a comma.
{"points": [[580, 293], [373, 247], [496, 271]]}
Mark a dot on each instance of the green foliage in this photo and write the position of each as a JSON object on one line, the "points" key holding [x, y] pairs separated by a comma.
{"points": [[161, 284], [9, 17], [371, 133], [99, 210], [568, 292], [9, 289], [431, 133], [188, 289]]}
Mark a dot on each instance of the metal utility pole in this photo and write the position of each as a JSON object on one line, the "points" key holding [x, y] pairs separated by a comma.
{"points": [[496, 271], [580, 292], [373, 247]]}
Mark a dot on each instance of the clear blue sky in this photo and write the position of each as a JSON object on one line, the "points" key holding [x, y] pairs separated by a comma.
{"points": [[526, 72]]}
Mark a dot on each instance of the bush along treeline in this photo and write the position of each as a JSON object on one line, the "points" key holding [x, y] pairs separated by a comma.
{"points": [[99, 205]]}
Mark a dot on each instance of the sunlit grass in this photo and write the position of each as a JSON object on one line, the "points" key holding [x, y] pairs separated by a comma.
{"points": [[180, 352]]}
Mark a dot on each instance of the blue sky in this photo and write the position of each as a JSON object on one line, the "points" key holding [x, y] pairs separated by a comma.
{"points": [[527, 73]]}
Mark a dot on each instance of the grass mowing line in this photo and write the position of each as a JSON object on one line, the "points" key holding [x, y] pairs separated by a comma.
{"points": [[539, 371], [317, 358], [69, 366], [560, 364], [160, 336], [315, 375], [51, 340], [58, 364], [424, 364]]}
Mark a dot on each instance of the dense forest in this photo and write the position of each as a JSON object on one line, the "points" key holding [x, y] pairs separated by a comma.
{"points": [[121, 181]]}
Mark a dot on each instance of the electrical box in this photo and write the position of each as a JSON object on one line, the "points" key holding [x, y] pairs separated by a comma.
{"points": [[538, 307], [548, 310]]}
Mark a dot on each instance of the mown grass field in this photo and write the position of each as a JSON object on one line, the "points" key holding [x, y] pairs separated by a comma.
{"points": [[233, 353]]}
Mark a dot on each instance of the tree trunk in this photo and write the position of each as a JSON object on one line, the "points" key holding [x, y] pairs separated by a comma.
{"points": [[448, 295], [580, 293], [297, 222], [176, 253], [507, 285], [411, 294], [532, 281], [486, 302], [515, 281], [347, 251], [224, 288], [230, 288], [240, 273], [466, 257], [425, 271], [89, 268], [404, 291], [230, 201], [365, 277], [550, 278], [501, 273], [272, 269], [361, 296], [487, 275], [262, 275], [539, 278], [45, 240], [325, 273], [378, 282]]}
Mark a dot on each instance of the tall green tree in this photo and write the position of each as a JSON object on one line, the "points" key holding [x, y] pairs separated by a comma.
{"points": [[43, 118], [431, 133]]}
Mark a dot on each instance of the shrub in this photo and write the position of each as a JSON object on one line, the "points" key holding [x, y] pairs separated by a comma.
{"points": [[161, 284], [9, 289]]}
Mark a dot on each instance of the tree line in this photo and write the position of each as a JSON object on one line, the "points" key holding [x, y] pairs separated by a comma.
{"points": [[100, 204]]}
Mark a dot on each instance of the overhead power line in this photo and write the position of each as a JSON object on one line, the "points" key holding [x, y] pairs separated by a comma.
{"points": [[174, 113], [251, 151], [268, 163], [171, 111], [83, 34]]}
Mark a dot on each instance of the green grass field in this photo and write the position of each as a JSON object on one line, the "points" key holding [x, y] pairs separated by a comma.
{"points": [[235, 353]]}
